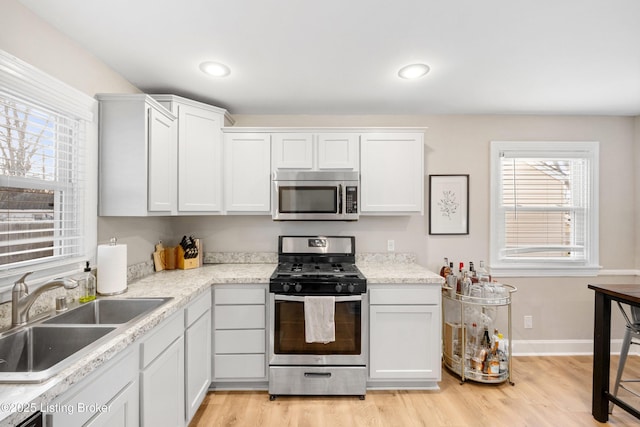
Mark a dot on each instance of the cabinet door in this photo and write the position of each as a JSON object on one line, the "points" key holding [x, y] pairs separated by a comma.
{"points": [[247, 172], [199, 160], [197, 363], [113, 386], [338, 151], [392, 173], [292, 150], [404, 342], [162, 163], [123, 410], [162, 395]]}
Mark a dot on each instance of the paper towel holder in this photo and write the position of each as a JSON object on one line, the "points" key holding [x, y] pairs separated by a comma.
{"points": [[112, 274]]}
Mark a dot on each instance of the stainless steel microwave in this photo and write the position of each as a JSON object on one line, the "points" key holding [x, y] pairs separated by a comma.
{"points": [[315, 195]]}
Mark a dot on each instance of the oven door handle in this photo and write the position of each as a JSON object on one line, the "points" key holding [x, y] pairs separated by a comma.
{"points": [[295, 298]]}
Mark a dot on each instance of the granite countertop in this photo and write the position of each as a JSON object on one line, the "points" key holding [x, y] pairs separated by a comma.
{"points": [[183, 286], [394, 273]]}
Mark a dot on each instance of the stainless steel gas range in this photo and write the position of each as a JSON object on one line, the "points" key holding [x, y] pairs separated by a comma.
{"points": [[318, 328]]}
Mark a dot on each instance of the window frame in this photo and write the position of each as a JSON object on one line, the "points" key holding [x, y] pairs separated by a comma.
{"points": [[24, 81], [546, 267]]}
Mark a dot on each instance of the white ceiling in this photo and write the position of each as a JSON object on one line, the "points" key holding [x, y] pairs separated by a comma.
{"points": [[342, 56]]}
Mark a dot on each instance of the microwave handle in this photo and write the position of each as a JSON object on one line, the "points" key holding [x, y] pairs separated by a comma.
{"points": [[340, 199]]}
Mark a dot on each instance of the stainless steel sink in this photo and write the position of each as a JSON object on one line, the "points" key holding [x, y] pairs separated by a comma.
{"points": [[34, 353], [108, 311]]}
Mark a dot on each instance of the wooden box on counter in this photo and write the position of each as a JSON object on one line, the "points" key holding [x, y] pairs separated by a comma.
{"points": [[185, 263]]}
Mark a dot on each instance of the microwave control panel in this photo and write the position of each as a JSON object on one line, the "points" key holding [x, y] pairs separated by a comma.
{"points": [[352, 200]]}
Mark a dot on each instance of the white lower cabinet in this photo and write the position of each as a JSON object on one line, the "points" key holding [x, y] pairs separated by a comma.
{"points": [[107, 397], [404, 336], [162, 375], [197, 342], [123, 410], [176, 366], [160, 381], [239, 336]]}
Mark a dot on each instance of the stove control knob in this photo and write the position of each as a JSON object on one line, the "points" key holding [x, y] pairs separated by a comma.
{"points": [[351, 287], [285, 287], [338, 287], [298, 287]]}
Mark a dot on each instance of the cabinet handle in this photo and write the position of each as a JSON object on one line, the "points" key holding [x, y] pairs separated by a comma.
{"points": [[317, 374]]}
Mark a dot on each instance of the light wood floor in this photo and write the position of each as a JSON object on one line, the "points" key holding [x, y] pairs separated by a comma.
{"points": [[548, 391]]}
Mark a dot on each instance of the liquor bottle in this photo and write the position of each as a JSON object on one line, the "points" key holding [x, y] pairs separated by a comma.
{"points": [[472, 272], [486, 345], [460, 277], [452, 281], [493, 365], [466, 284], [445, 270], [483, 274], [486, 341]]}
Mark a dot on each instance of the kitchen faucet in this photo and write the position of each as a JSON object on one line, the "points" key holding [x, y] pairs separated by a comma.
{"points": [[22, 300]]}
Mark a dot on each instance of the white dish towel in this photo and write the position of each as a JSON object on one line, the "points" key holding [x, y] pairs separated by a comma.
{"points": [[319, 323]]}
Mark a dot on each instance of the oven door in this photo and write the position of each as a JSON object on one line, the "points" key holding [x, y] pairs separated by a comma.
{"points": [[287, 344]]}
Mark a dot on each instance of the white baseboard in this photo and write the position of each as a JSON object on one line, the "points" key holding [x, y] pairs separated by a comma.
{"points": [[562, 347]]}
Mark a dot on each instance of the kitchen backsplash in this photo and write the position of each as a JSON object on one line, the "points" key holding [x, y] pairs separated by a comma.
{"points": [[240, 258], [46, 302]]}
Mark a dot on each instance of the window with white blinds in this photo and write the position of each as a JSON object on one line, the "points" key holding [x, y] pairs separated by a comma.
{"points": [[40, 183], [47, 175], [544, 208]]}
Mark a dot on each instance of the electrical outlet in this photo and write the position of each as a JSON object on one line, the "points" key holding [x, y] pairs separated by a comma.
{"points": [[391, 245], [528, 322]]}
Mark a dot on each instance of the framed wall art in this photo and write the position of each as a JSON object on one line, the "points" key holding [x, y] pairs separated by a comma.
{"points": [[448, 204]]}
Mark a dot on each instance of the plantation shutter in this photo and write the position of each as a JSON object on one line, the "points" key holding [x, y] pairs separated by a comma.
{"points": [[544, 208], [41, 183], [544, 205]]}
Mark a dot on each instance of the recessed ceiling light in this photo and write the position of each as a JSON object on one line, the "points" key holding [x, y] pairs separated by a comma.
{"points": [[215, 69], [413, 71]]}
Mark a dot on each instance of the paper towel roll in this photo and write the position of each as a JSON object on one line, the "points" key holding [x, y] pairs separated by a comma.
{"points": [[112, 269]]}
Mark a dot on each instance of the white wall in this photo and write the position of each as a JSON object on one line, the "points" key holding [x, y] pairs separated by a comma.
{"points": [[637, 193], [562, 308], [29, 38]]}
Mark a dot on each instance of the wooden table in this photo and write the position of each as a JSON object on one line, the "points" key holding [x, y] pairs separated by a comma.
{"points": [[627, 294]]}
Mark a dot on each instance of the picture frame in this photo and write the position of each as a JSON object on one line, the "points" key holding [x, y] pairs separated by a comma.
{"points": [[448, 204]]}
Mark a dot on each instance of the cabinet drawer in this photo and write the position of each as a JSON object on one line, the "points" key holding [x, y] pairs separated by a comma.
{"points": [[168, 332], [399, 295], [243, 341], [239, 296], [239, 317], [240, 366], [197, 308]]}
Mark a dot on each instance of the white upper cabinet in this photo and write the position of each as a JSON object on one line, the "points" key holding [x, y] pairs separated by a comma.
{"points": [[392, 173], [292, 150], [137, 151], [162, 164], [159, 155], [338, 151], [315, 151], [247, 181], [199, 154]]}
